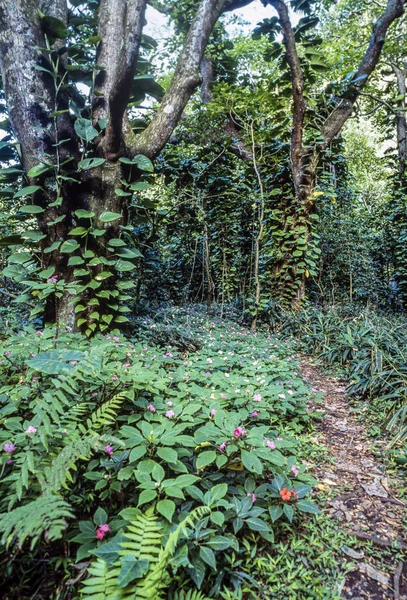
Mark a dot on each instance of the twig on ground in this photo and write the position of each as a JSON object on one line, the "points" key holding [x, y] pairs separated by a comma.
{"points": [[397, 576]]}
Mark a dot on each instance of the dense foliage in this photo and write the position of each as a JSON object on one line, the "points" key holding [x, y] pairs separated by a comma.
{"points": [[185, 214], [91, 428]]}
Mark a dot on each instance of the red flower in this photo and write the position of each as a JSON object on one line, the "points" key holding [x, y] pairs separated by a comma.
{"points": [[285, 494]]}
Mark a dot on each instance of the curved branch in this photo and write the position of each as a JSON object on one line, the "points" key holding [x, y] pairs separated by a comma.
{"points": [[185, 80], [337, 119], [120, 27]]}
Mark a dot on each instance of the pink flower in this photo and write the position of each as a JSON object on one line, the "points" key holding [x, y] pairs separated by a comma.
{"points": [[94, 394], [116, 338], [101, 531], [170, 403], [270, 444], [7, 353], [257, 398], [31, 429], [222, 446], [109, 450], [213, 412], [73, 362], [169, 414], [239, 432], [207, 374], [223, 396], [114, 377], [10, 448], [294, 470], [252, 496], [38, 332], [126, 365], [255, 413], [9, 461], [151, 408], [52, 279]]}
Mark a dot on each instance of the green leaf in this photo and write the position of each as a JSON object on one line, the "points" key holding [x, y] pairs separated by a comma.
{"points": [[54, 27], [39, 170], [78, 231], [90, 163], [85, 129], [139, 186], [100, 516], [275, 512], [142, 162], [131, 569], [146, 496], [218, 492], [121, 193], [27, 191], [289, 512], [84, 214], [31, 209], [108, 217], [251, 462], [166, 508], [168, 454], [69, 246], [257, 524], [219, 542], [205, 458], [125, 265], [208, 556], [307, 506], [54, 362]]}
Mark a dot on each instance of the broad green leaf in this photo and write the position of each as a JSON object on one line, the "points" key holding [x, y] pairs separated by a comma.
{"points": [[69, 246], [251, 462], [205, 458], [90, 163], [31, 209], [27, 191], [166, 508], [85, 129], [108, 217]]}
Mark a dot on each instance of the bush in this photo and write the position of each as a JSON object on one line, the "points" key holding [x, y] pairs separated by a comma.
{"points": [[146, 460]]}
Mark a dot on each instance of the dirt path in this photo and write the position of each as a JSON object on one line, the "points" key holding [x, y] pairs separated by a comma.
{"points": [[362, 497]]}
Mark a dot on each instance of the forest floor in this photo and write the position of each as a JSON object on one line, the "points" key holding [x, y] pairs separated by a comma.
{"points": [[359, 493]]}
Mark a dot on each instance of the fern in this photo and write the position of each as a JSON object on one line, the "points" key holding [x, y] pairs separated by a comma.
{"points": [[191, 595], [47, 512], [143, 541]]}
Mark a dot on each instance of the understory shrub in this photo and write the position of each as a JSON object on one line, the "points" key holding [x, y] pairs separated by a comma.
{"points": [[370, 349], [128, 470]]}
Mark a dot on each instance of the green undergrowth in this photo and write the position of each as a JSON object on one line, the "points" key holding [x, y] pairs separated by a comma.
{"points": [[369, 350], [172, 464]]}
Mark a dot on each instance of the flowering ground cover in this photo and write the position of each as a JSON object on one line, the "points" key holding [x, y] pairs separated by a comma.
{"points": [[133, 469]]}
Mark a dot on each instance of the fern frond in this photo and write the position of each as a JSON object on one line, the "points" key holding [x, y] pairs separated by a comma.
{"points": [[46, 513], [155, 580], [143, 537], [106, 414], [56, 475], [190, 595], [103, 583]]}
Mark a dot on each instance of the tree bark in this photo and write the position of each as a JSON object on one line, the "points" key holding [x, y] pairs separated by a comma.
{"points": [[401, 75]]}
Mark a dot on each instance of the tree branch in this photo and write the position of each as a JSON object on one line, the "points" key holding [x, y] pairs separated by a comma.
{"points": [[120, 27], [337, 119], [298, 92], [185, 79]]}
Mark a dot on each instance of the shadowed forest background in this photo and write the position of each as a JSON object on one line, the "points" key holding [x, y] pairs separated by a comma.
{"points": [[191, 219]]}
